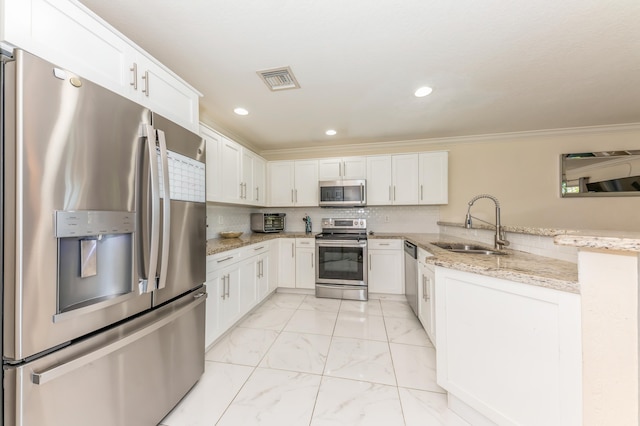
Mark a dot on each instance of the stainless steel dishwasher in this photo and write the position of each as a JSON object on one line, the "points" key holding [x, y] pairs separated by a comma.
{"points": [[411, 275]]}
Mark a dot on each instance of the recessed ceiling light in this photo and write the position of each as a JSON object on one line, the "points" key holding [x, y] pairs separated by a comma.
{"points": [[330, 133], [241, 111], [423, 91]]}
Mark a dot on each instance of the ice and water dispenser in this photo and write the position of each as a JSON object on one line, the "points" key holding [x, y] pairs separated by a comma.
{"points": [[95, 257]]}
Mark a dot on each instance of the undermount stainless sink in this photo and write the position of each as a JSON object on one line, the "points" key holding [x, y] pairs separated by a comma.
{"points": [[468, 248]]}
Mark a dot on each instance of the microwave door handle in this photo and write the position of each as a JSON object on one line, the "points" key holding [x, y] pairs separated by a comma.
{"points": [[362, 200], [150, 218], [166, 210]]}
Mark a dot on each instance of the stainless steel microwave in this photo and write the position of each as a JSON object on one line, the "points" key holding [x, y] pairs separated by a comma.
{"points": [[343, 193]]}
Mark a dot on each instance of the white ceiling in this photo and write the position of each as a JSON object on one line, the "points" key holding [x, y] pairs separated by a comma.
{"points": [[495, 66]]}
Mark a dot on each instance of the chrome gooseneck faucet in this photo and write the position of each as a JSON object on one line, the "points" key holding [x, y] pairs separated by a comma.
{"points": [[500, 240]]}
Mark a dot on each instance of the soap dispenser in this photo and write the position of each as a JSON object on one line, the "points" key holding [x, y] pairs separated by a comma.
{"points": [[307, 224]]}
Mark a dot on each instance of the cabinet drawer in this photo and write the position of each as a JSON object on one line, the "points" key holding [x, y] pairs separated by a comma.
{"points": [[220, 260], [305, 242], [385, 244], [255, 249]]}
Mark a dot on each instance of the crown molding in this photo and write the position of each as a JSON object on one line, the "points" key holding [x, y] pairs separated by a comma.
{"points": [[418, 144]]}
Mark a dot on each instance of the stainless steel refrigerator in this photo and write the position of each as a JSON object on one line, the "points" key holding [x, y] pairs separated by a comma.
{"points": [[103, 253]]}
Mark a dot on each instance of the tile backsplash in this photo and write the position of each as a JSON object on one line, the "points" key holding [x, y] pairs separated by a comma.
{"points": [[534, 244], [421, 219], [407, 219]]}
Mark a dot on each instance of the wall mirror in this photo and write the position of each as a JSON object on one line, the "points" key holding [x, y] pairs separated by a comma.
{"points": [[604, 173]]}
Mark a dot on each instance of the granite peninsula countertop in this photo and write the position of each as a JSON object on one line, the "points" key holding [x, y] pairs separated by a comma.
{"points": [[516, 266]]}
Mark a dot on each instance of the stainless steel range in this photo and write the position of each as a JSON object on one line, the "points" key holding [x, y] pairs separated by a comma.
{"points": [[341, 250]]}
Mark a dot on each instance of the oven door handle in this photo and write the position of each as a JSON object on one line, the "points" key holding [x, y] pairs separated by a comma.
{"points": [[341, 243]]}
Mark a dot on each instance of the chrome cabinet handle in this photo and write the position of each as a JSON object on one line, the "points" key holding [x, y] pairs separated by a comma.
{"points": [[257, 193], [428, 279], [421, 192], [424, 288], [293, 247], [383, 244], [224, 287], [134, 70], [145, 77], [166, 210], [258, 248], [394, 192], [369, 262], [312, 261], [296, 195], [225, 259], [228, 285], [292, 195]]}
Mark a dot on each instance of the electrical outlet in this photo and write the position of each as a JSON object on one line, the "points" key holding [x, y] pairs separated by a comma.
{"points": [[386, 219], [220, 220]]}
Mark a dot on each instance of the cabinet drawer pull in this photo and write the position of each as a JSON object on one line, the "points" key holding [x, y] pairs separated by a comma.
{"points": [[225, 259], [145, 77], [259, 248], [134, 70]]}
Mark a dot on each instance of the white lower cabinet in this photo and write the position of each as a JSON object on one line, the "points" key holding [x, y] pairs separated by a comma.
{"points": [[305, 263], [427, 295], [287, 262], [508, 352], [386, 266], [236, 281]]}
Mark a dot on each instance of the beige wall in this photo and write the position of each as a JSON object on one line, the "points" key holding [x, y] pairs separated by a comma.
{"points": [[525, 174], [522, 171]]}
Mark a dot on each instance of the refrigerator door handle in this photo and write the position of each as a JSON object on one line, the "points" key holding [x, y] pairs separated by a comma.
{"points": [[166, 210], [60, 370], [154, 227]]}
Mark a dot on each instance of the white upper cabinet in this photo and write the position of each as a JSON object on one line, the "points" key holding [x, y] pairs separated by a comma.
{"points": [[379, 180], [342, 168], [213, 142], [293, 183], [404, 169], [407, 179], [434, 177], [230, 165], [66, 33], [259, 193], [392, 179]]}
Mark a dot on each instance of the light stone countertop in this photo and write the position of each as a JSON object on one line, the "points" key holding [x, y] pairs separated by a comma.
{"points": [[605, 240], [516, 266], [219, 245], [545, 232]]}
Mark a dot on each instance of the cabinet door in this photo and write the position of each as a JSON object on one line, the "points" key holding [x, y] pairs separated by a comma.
{"points": [[165, 94], [330, 169], [426, 299], [509, 350], [257, 193], [306, 183], [231, 302], [379, 190], [246, 183], [248, 279], [281, 181], [405, 179], [214, 175], [287, 263], [262, 275], [63, 33], [434, 180], [306, 267], [354, 168], [386, 271], [230, 170], [215, 290]]}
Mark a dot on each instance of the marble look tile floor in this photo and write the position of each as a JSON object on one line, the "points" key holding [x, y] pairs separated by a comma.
{"points": [[298, 360]]}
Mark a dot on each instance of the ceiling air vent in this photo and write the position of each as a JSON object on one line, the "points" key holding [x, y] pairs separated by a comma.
{"points": [[279, 79]]}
